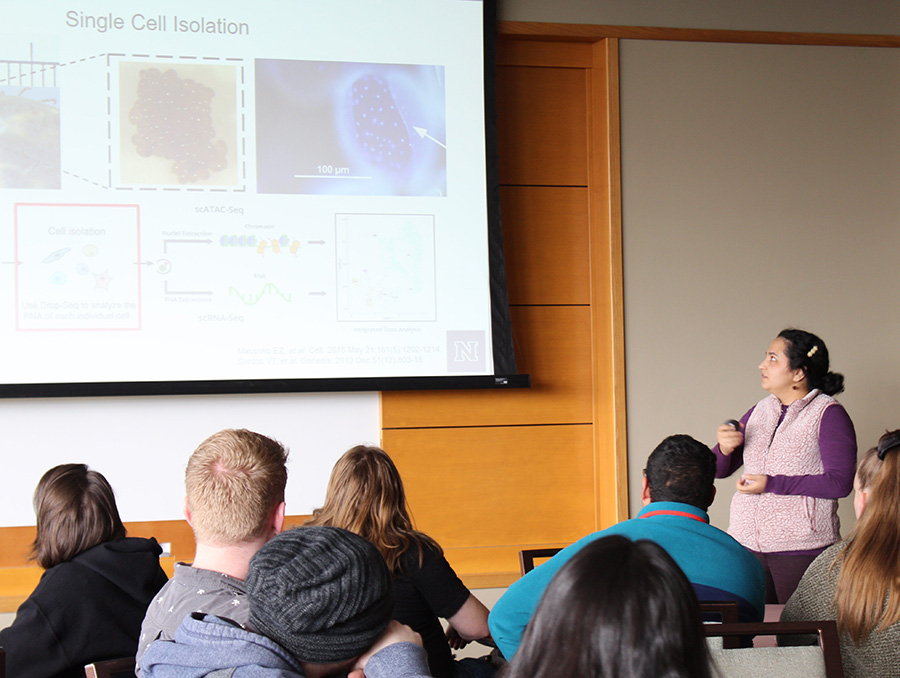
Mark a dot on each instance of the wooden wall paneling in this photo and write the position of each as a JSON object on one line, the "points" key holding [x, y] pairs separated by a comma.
{"points": [[607, 299], [553, 345], [535, 485], [18, 577], [546, 244], [17, 583], [479, 490], [551, 53], [547, 33], [542, 126], [15, 544]]}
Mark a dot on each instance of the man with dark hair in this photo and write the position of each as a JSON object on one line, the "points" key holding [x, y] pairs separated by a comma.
{"points": [[680, 470], [677, 489], [321, 600]]}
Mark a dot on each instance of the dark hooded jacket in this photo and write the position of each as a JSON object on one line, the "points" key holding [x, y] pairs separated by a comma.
{"points": [[87, 609]]}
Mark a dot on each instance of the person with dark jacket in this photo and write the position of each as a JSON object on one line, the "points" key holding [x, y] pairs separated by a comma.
{"points": [[90, 601]]}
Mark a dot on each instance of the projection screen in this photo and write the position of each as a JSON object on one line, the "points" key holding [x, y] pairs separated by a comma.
{"points": [[239, 197]]}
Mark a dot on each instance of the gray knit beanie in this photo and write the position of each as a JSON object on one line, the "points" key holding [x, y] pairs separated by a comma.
{"points": [[324, 594]]}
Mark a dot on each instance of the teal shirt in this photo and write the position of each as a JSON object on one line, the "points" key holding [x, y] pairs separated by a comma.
{"points": [[717, 566]]}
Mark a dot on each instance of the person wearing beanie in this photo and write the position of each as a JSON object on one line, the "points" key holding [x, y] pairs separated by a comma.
{"points": [[321, 600]]}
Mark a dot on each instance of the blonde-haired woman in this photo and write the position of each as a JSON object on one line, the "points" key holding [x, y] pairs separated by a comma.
{"points": [[365, 495], [856, 581]]}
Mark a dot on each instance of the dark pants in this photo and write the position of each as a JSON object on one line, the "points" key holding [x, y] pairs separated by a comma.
{"points": [[783, 572], [473, 668]]}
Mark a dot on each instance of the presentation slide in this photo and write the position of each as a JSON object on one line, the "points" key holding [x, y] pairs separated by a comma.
{"points": [[293, 189]]}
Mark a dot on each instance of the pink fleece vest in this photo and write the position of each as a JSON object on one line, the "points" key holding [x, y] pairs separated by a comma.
{"points": [[771, 523]]}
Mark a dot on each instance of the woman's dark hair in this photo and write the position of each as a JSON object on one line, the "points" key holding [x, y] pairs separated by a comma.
{"points": [[617, 608], [807, 352], [76, 510]]}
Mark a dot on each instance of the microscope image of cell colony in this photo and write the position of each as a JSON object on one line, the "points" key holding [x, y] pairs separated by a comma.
{"points": [[380, 129], [173, 117], [56, 255]]}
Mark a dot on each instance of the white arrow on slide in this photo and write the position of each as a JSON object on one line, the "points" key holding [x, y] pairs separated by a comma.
{"points": [[422, 132]]}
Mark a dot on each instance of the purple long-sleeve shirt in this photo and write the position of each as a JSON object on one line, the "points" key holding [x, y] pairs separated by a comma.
{"points": [[837, 447]]}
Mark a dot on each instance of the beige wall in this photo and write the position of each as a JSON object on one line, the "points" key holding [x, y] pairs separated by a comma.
{"points": [[760, 190]]}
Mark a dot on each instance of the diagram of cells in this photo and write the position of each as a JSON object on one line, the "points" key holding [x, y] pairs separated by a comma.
{"points": [[56, 255]]}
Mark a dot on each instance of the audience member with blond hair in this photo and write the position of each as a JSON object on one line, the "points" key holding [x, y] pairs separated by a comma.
{"points": [[235, 483], [365, 495], [90, 600], [856, 581]]}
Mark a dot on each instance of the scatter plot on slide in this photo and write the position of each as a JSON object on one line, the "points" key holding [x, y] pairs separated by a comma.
{"points": [[385, 267]]}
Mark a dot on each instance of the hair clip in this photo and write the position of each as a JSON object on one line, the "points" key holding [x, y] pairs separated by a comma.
{"points": [[812, 351], [888, 443]]}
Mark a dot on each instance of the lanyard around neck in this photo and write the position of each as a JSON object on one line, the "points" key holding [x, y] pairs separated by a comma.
{"points": [[671, 512]]}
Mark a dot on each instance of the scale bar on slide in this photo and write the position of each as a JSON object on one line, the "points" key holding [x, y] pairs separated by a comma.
{"points": [[327, 176]]}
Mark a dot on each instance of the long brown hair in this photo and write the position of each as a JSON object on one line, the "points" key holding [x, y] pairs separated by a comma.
{"points": [[76, 510], [365, 495], [868, 589]]}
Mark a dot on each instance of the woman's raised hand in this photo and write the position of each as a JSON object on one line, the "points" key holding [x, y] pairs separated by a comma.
{"points": [[729, 438]]}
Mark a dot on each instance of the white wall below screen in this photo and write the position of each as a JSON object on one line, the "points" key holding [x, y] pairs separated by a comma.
{"points": [[142, 444]]}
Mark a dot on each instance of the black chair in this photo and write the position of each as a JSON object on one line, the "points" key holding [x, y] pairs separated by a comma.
{"points": [[111, 668], [724, 611], [802, 661], [528, 556]]}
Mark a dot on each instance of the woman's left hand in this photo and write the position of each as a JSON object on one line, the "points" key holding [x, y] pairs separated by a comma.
{"points": [[751, 483]]}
